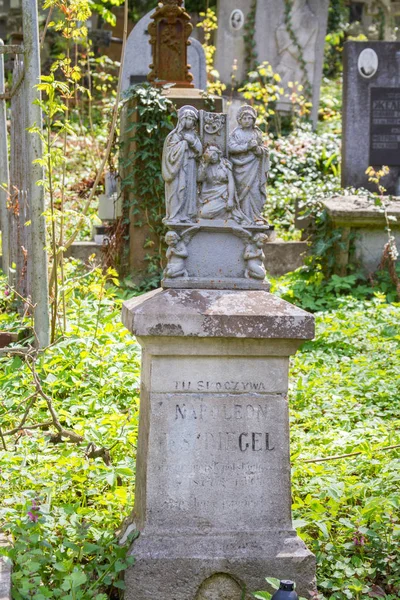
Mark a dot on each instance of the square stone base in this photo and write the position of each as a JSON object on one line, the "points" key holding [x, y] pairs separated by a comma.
{"points": [[216, 567]]}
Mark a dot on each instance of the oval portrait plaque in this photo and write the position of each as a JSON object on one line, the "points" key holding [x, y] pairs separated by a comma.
{"points": [[368, 63], [236, 20]]}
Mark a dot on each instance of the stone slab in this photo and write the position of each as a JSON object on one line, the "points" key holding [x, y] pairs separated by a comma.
{"points": [[193, 96], [190, 568], [367, 222], [284, 257], [205, 283], [357, 110], [216, 313], [358, 211]]}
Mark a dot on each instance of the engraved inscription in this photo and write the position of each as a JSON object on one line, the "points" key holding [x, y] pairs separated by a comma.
{"points": [[227, 411], [219, 386], [224, 450], [385, 127]]}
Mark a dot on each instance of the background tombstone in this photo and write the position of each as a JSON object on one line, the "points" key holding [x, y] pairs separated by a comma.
{"points": [[371, 109], [274, 42], [138, 57]]}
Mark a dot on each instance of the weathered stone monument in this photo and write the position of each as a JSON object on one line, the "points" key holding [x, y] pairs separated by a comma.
{"points": [[138, 56], [292, 42], [213, 495], [371, 113], [371, 137]]}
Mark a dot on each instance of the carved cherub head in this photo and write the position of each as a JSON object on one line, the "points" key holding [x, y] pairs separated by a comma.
{"points": [[212, 154], [259, 239], [246, 116], [172, 238]]}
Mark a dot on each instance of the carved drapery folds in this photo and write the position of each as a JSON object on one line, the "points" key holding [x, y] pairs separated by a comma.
{"points": [[215, 192], [169, 38]]}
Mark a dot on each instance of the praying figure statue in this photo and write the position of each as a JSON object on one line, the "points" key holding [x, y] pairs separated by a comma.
{"points": [[254, 257], [176, 255], [177, 252], [250, 159], [217, 197], [182, 148]]}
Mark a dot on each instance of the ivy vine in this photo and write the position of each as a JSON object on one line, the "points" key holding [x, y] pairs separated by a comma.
{"points": [[149, 117], [300, 56], [250, 52]]}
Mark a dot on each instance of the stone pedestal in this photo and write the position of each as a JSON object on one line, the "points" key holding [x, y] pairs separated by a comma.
{"points": [[363, 226], [213, 495], [216, 255]]}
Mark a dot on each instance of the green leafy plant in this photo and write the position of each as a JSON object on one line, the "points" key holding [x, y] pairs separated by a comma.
{"points": [[149, 117]]}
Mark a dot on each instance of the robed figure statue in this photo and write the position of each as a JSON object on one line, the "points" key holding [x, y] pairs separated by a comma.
{"points": [[217, 197], [182, 147], [250, 159]]}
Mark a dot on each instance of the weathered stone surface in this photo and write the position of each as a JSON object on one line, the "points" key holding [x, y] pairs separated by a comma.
{"points": [[359, 216], [283, 257], [357, 111], [138, 57], [216, 257], [273, 41], [219, 587], [216, 313], [358, 211], [213, 501]]}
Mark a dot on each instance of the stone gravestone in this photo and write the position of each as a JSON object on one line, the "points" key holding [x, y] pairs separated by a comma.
{"points": [[138, 57], [275, 42], [371, 113], [213, 494]]}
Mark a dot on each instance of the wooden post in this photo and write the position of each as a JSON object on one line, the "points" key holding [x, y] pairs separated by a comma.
{"points": [[34, 152], [19, 213], [4, 176]]}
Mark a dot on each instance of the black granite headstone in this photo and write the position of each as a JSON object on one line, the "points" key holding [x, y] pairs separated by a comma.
{"points": [[371, 113]]}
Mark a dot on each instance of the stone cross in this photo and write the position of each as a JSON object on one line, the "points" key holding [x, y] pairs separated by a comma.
{"points": [[169, 37]]}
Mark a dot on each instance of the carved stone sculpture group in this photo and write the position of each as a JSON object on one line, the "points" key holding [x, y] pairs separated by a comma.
{"points": [[200, 183], [216, 179]]}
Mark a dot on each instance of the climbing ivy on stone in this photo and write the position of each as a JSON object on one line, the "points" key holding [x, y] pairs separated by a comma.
{"points": [[250, 52]]}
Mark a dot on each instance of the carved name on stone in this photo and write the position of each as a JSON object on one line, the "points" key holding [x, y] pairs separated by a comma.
{"points": [[385, 127]]}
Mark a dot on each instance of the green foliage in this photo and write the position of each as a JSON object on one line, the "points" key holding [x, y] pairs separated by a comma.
{"points": [[338, 19], [149, 117], [209, 24], [343, 397], [61, 506], [304, 169]]}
